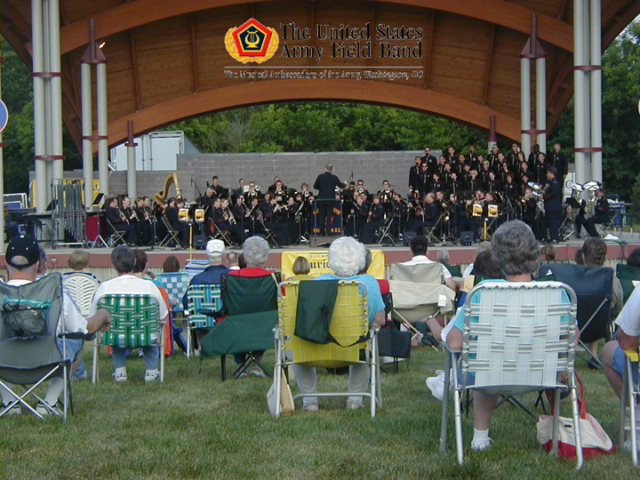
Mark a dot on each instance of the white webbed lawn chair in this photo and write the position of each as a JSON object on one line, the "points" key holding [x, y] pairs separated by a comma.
{"points": [[518, 337]]}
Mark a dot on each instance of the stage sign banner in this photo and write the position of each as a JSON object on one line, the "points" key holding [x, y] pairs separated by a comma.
{"points": [[319, 262]]}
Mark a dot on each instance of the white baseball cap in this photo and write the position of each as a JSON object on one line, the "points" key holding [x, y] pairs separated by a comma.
{"points": [[215, 248]]}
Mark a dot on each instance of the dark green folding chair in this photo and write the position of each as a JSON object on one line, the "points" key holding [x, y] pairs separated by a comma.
{"points": [[251, 304], [627, 274]]}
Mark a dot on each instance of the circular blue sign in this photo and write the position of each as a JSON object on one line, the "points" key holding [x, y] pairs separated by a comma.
{"points": [[4, 116]]}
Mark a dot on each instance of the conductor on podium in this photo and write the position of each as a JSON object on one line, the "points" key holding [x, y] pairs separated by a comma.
{"points": [[326, 184]]}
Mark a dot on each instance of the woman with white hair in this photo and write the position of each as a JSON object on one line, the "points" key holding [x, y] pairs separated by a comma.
{"points": [[256, 252], [347, 257]]}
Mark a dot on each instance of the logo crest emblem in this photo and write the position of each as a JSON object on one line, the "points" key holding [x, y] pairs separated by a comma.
{"points": [[251, 42]]}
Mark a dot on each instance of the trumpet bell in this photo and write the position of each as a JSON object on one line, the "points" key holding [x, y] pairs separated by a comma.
{"points": [[535, 186], [576, 186]]}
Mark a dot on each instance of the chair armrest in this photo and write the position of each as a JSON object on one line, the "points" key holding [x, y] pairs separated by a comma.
{"points": [[78, 336]]}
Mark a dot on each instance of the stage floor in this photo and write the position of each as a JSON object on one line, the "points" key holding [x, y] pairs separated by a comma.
{"points": [[100, 256]]}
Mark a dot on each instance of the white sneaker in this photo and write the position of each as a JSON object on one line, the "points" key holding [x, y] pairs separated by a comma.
{"points": [[151, 376], [354, 404], [257, 372], [481, 444], [120, 377], [15, 410], [310, 407], [45, 412], [436, 384]]}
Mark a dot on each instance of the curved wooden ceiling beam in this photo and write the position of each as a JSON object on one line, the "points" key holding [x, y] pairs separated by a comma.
{"points": [[141, 12], [282, 91]]}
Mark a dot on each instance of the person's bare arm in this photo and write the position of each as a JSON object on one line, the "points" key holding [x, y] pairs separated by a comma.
{"points": [[378, 319], [626, 342], [449, 282], [100, 321]]}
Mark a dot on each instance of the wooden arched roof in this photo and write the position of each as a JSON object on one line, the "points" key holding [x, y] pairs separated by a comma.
{"points": [[166, 58]]}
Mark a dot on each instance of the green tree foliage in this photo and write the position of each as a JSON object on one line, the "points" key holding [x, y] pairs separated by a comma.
{"points": [[620, 125]]}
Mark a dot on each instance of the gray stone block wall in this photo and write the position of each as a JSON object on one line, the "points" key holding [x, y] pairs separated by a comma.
{"points": [[293, 168]]}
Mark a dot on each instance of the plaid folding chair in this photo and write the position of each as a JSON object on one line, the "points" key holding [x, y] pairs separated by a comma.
{"points": [[135, 324], [175, 283], [204, 302]]}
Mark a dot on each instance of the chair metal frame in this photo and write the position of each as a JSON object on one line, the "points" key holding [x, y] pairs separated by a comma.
{"points": [[201, 314], [542, 354], [172, 234], [116, 235], [124, 322], [629, 399], [349, 323], [384, 231], [222, 235]]}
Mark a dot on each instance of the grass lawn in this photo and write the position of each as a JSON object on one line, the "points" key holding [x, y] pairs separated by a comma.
{"points": [[195, 426]]}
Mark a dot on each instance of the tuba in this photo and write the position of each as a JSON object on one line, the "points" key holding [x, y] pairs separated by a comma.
{"points": [[161, 197]]}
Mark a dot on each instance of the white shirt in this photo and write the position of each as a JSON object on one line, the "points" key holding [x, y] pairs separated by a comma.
{"points": [[72, 319], [422, 260], [629, 318], [129, 284]]}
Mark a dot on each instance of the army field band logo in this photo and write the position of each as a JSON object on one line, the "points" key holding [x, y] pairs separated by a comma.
{"points": [[251, 42]]}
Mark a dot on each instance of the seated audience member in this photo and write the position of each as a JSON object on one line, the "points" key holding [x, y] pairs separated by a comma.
{"points": [[242, 263], [23, 258], [547, 253], [613, 357], [578, 257], [515, 251], [485, 266], [301, 268], [419, 245], [213, 273], [171, 264], [482, 246], [78, 261], [594, 253], [255, 251], [634, 258], [347, 257], [124, 259], [232, 260]]}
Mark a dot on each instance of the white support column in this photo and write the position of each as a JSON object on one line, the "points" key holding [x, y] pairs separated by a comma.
{"points": [[525, 105], [103, 144], [87, 131], [39, 112], [541, 103], [596, 88], [579, 87], [55, 89]]}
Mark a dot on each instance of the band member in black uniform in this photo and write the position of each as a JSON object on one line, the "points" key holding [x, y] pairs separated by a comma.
{"points": [[119, 220], [224, 220], [558, 160], [512, 158], [349, 192], [529, 210], [218, 190], [426, 216], [400, 209], [239, 211], [524, 183], [540, 169], [174, 205], [484, 173], [253, 216], [429, 159], [146, 227], [424, 180], [510, 189], [493, 184], [279, 189], [523, 167], [360, 190], [208, 198], [600, 215], [454, 185], [269, 209], [131, 218], [456, 210], [492, 158], [386, 197], [436, 184], [458, 167], [274, 186], [252, 193], [451, 155], [414, 173], [474, 183], [374, 222], [236, 192], [326, 184], [502, 173], [445, 177], [553, 205], [281, 209], [292, 220], [472, 158], [533, 156], [442, 161]]}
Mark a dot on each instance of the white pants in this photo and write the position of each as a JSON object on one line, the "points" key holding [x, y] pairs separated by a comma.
{"points": [[306, 379]]}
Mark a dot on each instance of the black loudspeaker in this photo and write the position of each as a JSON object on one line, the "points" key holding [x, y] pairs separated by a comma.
{"points": [[466, 237], [408, 236], [199, 241]]}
